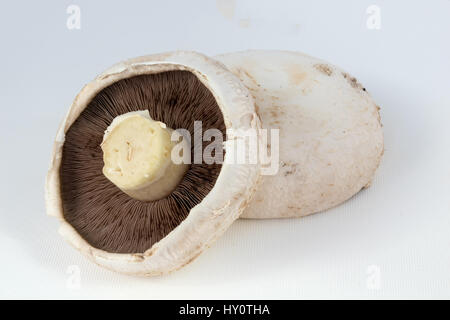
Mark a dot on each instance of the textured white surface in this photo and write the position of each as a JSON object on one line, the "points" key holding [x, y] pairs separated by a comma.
{"points": [[399, 227], [330, 134]]}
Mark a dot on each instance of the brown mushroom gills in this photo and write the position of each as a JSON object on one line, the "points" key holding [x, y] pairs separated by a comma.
{"points": [[102, 214]]}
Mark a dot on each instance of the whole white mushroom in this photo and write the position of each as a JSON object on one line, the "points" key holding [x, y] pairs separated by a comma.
{"points": [[331, 139]]}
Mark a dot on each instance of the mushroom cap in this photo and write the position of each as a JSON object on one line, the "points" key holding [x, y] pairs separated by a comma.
{"points": [[215, 213], [331, 138]]}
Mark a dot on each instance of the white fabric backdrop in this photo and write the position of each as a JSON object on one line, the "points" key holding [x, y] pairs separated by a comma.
{"points": [[390, 241]]}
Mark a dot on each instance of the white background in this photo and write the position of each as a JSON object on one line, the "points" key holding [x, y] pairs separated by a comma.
{"points": [[397, 232]]}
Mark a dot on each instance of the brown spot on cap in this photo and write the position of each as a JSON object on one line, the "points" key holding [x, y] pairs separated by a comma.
{"points": [[324, 68], [295, 73], [352, 81]]}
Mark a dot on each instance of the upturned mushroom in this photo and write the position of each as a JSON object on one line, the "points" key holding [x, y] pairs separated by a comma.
{"points": [[330, 133], [119, 198]]}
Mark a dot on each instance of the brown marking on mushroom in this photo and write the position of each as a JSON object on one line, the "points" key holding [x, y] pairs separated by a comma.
{"points": [[150, 251], [137, 257], [289, 168], [244, 74], [275, 111], [248, 75], [288, 173], [324, 68], [190, 260], [295, 208], [256, 108], [296, 74], [353, 81], [378, 114]]}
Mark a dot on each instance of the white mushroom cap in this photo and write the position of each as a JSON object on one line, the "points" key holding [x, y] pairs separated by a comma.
{"points": [[331, 138], [210, 218]]}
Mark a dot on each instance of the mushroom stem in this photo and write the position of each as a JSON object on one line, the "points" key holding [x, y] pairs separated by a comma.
{"points": [[137, 156]]}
